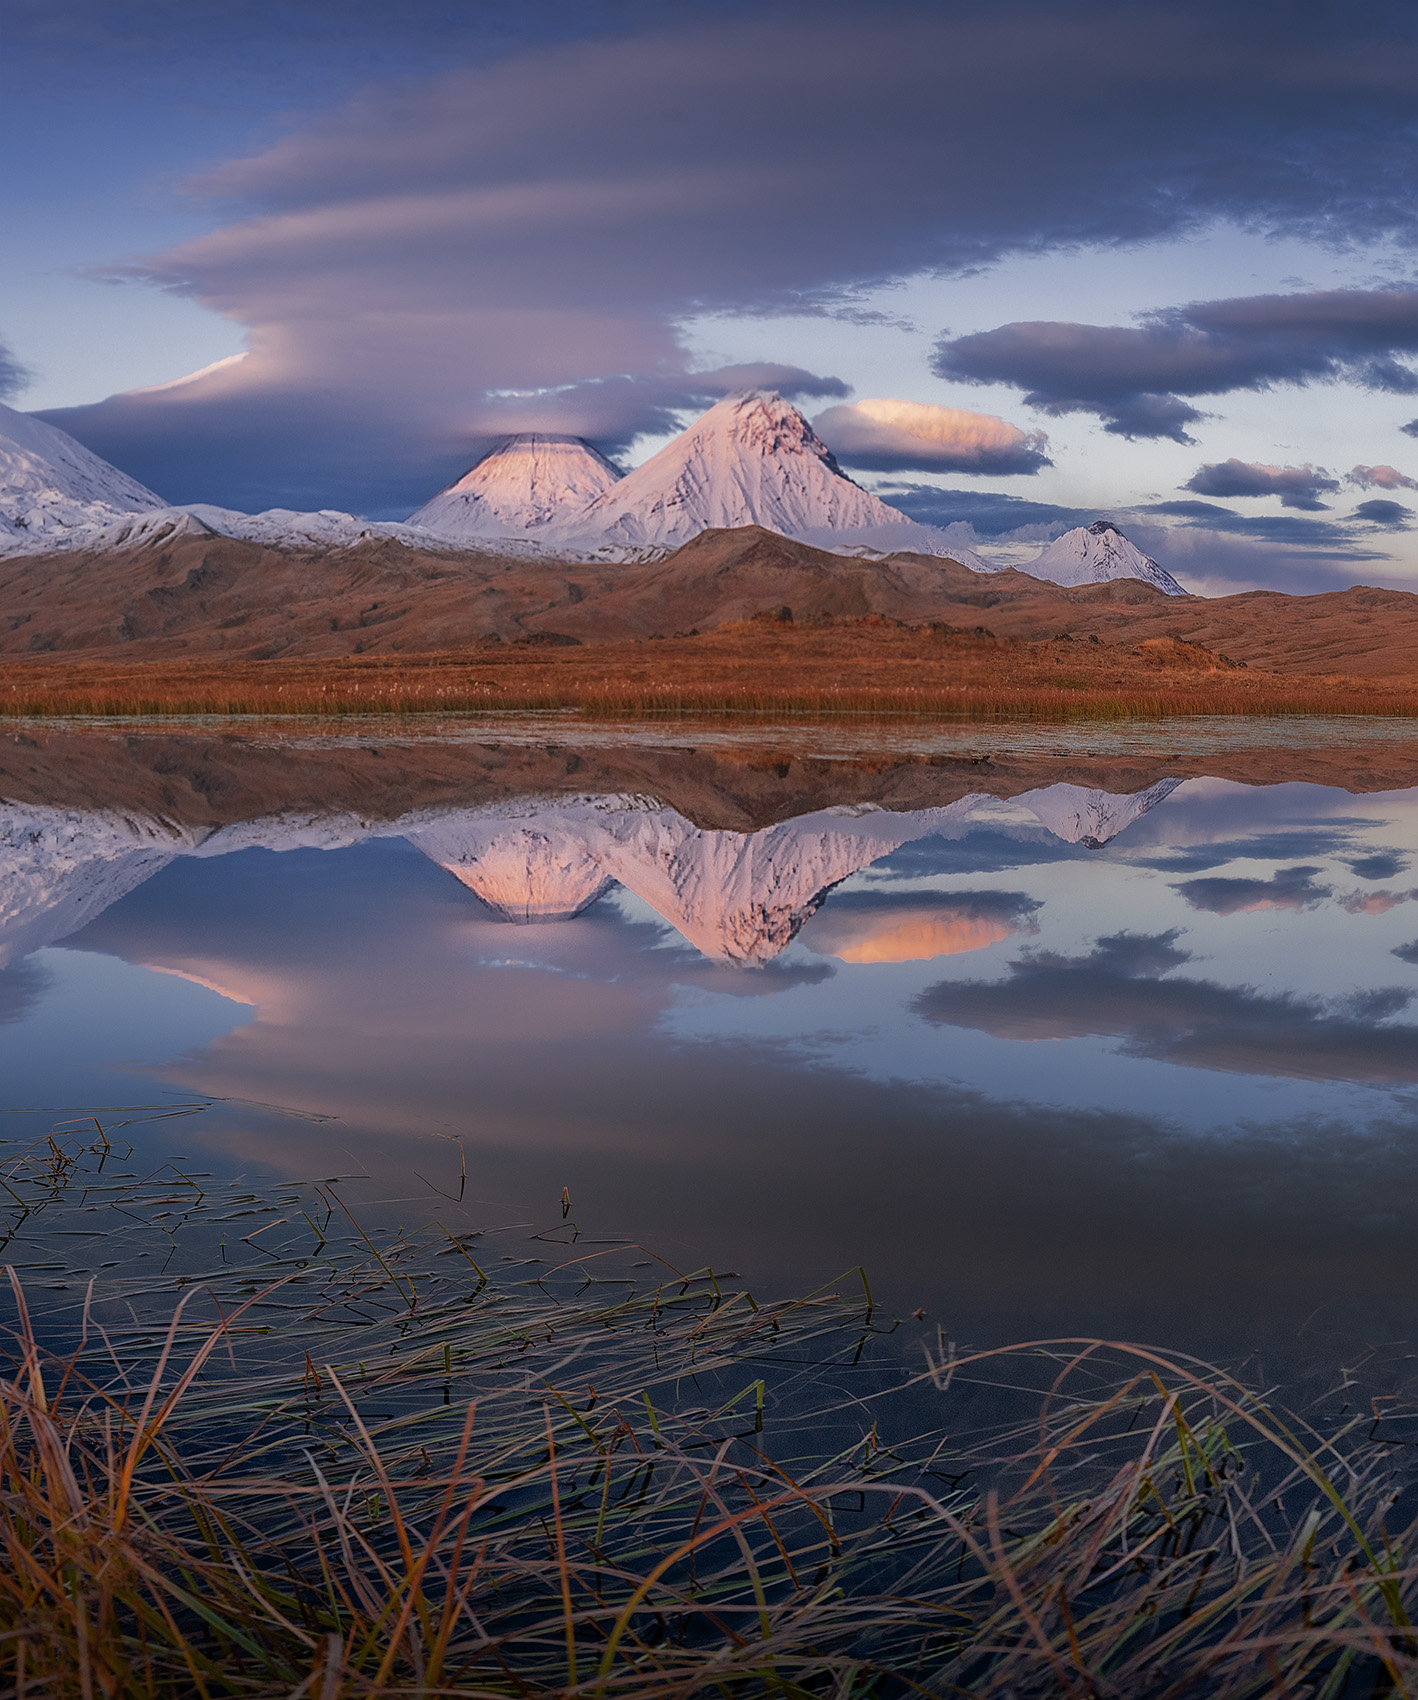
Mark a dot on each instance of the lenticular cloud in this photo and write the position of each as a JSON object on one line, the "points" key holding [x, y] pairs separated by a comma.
{"points": [[514, 246], [882, 434]]}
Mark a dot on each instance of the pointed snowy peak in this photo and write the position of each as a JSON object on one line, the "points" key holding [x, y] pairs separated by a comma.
{"points": [[1091, 818], [52, 486], [1092, 554], [530, 870], [753, 459], [525, 482]]}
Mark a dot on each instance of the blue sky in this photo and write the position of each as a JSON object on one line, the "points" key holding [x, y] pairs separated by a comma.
{"points": [[422, 229]]}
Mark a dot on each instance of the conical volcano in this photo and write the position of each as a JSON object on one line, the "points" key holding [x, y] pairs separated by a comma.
{"points": [[753, 459], [1092, 554], [524, 483]]}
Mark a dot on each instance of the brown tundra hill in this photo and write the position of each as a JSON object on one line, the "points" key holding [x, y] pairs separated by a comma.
{"points": [[203, 598]]}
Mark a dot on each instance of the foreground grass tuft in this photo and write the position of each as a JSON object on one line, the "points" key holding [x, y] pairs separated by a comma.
{"points": [[384, 1471]]}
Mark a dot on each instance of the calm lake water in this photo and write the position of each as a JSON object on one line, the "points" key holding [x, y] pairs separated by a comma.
{"points": [[1053, 1031]]}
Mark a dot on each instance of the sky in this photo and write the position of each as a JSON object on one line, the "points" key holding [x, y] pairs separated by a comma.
{"points": [[1029, 263]]}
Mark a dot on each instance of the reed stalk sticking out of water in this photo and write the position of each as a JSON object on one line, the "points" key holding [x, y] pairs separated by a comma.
{"points": [[389, 1466], [506, 1495]]}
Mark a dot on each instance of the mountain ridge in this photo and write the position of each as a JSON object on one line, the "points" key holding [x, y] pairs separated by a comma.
{"points": [[198, 596]]}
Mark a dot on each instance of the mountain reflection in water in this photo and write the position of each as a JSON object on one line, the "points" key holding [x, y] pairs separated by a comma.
{"points": [[1047, 1056]]}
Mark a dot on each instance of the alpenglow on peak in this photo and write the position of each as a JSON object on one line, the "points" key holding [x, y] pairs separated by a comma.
{"points": [[521, 485], [752, 459]]}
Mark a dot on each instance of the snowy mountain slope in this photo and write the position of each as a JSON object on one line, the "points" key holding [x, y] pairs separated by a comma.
{"points": [[1091, 818], [1093, 554], [98, 529], [750, 460], [524, 483], [327, 528], [736, 897], [60, 868], [50, 485]]}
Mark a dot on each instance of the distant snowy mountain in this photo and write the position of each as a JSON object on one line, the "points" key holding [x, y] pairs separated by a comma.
{"points": [[752, 459], [99, 528], [523, 484], [1093, 554], [327, 528], [1091, 818], [52, 486]]}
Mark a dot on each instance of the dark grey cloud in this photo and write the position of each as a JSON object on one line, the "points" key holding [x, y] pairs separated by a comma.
{"points": [[513, 245], [1287, 888], [1135, 377], [987, 511], [1296, 486], [1378, 864], [1216, 551], [1410, 429], [1387, 516], [14, 375], [1195, 858], [791, 381], [1406, 952], [1310, 534], [1118, 990], [982, 852]]}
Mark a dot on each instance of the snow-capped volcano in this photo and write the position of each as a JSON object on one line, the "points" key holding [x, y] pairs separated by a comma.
{"points": [[524, 483], [1091, 818], [51, 485], [751, 460], [1092, 554]]}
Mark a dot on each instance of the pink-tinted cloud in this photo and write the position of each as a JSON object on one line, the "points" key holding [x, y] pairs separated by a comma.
{"points": [[1375, 902], [1380, 478], [885, 435]]}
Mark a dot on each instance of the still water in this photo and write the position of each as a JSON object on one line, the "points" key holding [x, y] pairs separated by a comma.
{"points": [[1092, 1036]]}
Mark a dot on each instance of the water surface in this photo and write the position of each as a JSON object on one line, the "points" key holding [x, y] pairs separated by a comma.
{"points": [[1114, 1037]]}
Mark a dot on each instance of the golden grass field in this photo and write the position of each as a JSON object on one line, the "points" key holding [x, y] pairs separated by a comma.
{"points": [[870, 667]]}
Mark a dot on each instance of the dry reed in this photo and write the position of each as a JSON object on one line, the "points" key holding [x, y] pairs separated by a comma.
{"points": [[752, 671], [431, 1482]]}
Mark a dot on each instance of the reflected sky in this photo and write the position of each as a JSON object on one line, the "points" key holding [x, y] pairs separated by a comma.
{"points": [[1073, 1061]]}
